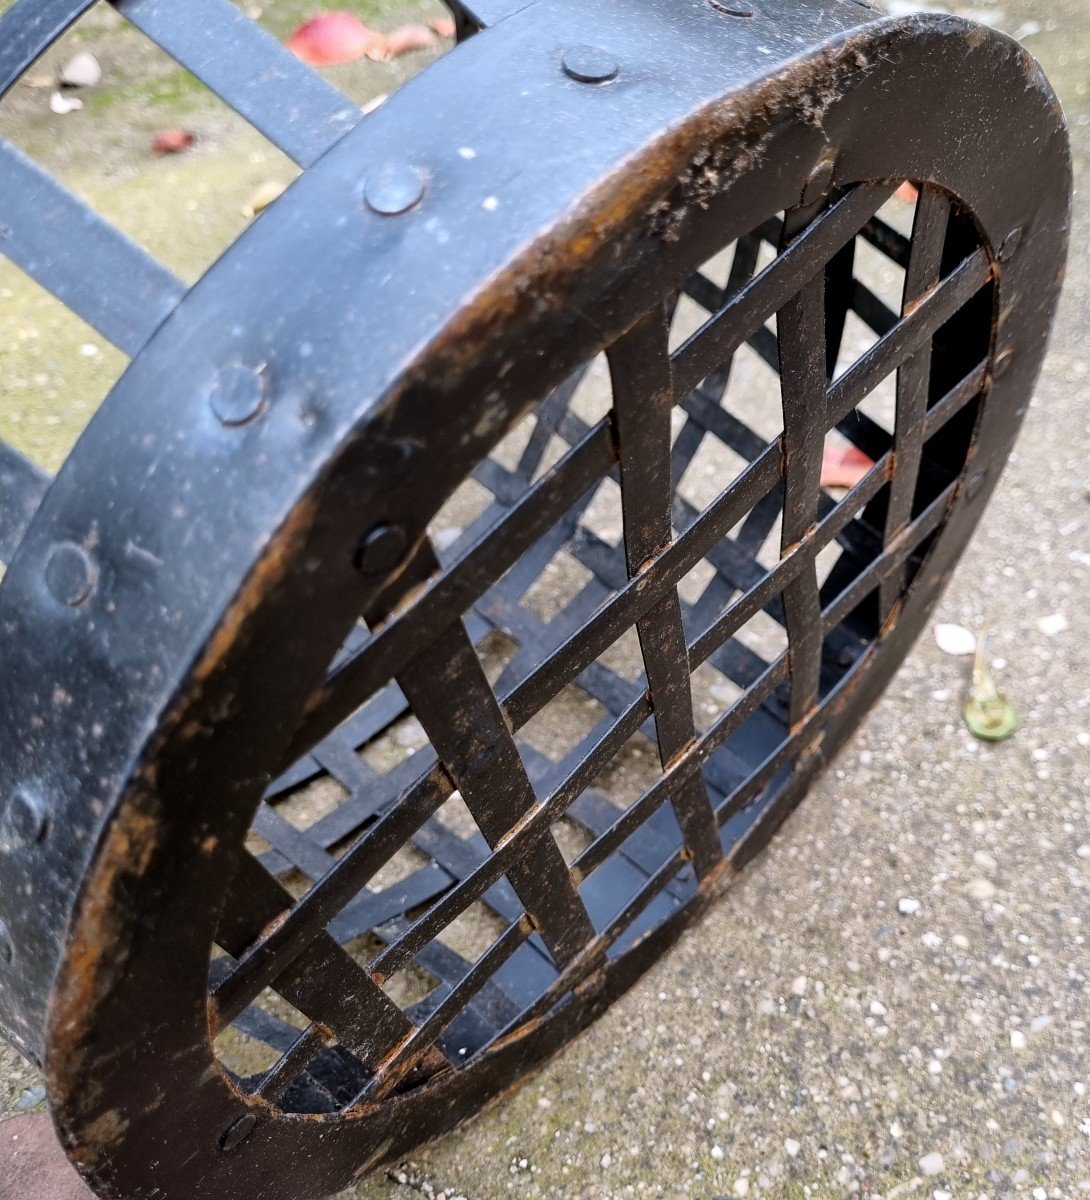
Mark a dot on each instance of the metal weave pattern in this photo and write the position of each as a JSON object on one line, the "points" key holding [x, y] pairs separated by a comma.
{"points": [[643, 861]]}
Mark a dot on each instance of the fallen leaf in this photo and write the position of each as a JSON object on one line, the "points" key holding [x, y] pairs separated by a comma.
{"points": [[843, 466], [955, 640], [908, 193], [408, 38], [266, 194], [335, 37], [62, 105], [81, 71], [443, 26], [988, 713], [173, 141]]}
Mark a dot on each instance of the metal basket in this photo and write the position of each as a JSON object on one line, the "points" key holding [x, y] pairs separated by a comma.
{"points": [[445, 604]]}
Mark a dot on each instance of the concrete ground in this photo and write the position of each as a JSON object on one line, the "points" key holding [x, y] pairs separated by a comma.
{"points": [[809, 1039]]}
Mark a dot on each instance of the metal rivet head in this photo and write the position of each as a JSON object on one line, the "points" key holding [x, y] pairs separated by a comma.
{"points": [[7, 946], [70, 574], [382, 549], [1010, 245], [589, 64], [25, 821], [238, 394], [393, 189], [1002, 363], [819, 181], [238, 1132]]}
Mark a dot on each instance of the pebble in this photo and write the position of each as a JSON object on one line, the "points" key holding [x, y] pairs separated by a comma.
{"points": [[981, 889], [932, 1164], [791, 1146], [741, 1186], [1083, 851], [984, 861], [31, 1098], [908, 907], [82, 71], [877, 1008], [717, 1153], [1018, 1040], [931, 940], [1053, 624], [798, 988]]}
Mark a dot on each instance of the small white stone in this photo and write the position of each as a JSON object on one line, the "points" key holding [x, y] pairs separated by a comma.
{"points": [[984, 861], [877, 1008], [1053, 624], [980, 888], [82, 71], [931, 940], [896, 1130], [908, 907], [798, 988], [791, 1146], [932, 1164], [955, 640], [1039, 1023], [939, 1194], [741, 1186], [1018, 1039], [1039, 1193], [1083, 851], [961, 941], [607, 1160], [717, 1153]]}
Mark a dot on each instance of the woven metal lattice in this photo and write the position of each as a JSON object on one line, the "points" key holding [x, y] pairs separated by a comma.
{"points": [[430, 877]]}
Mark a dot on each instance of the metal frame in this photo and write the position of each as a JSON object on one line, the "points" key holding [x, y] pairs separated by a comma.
{"points": [[160, 657]]}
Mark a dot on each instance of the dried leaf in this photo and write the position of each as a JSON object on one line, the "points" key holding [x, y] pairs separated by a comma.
{"points": [[62, 105], [173, 141], [81, 71], [988, 713], [407, 39], [955, 640], [843, 466], [443, 26], [265, 194], [335, 37]]}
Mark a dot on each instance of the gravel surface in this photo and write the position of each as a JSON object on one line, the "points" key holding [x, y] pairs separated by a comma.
{"points": [[893, 1002]]}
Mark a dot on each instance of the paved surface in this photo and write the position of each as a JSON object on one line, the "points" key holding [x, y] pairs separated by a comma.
{"points": [[809, 1040]]}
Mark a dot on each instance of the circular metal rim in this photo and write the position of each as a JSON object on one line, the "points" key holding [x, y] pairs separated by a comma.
{"points": [[140, 832]]}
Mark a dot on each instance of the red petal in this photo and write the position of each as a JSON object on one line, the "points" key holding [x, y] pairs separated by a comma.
{"points": [[908, 193], [173, 141], [844, 466], [336, 37]]}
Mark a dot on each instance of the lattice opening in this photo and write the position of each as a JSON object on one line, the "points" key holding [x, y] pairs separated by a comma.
{"points": [[641, 680]]}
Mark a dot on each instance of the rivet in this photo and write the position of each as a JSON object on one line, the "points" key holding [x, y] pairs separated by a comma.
{"points": [[7, 946], [1002, 363], [25, 821], [589, 64], [238, 1132], [382, 549], [70, 574], [1010, 245], [731, 10], [819, 181], [393, 189], [238, 394]]}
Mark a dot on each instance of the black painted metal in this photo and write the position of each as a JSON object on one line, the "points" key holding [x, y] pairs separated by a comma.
{"points": [[280, 832]]}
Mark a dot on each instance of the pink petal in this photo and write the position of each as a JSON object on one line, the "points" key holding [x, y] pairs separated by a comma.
{"points": [[907, 192], [407, 39], [443, 26], [336, 37], [844, 466]]}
